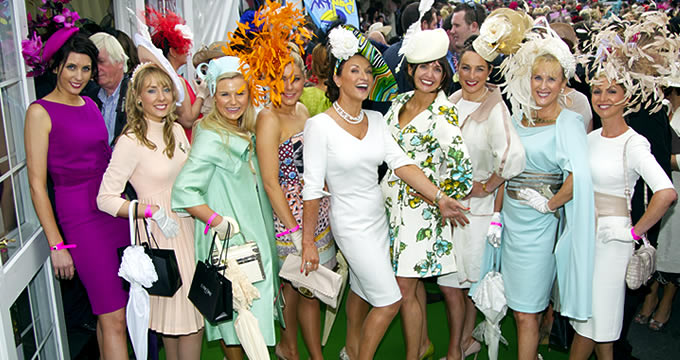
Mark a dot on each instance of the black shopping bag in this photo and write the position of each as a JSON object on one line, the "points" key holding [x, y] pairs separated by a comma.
{"points": [[164, 261], [167, 269], [210, 291]]}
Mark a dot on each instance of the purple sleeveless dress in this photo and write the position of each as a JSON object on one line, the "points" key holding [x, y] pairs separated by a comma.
{"points": [[77, 157]]}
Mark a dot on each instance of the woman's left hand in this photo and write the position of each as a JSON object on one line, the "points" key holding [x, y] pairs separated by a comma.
{"points": [[534, 199], [452, 209], [310, 258]]}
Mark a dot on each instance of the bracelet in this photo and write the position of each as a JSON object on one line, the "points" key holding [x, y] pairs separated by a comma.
{"points": [[61, 246], [288, 231], [484, 188], [438, 196], [210, 220], [148, 213], [497, 224], [635, 236]]}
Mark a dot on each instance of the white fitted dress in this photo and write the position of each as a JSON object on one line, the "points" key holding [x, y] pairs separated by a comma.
{"points": [[611, 257], [349, 167]]}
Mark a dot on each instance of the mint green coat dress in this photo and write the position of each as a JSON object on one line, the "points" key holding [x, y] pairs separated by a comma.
{"points": [[222, 178]]}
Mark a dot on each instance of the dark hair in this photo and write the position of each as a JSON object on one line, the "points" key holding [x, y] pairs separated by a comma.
{"points": [[446, 77], [429, 16], [446, 23], [78, 43], [409, 16], [473, 12], [332, 89], [129, 48], [467, 46]]}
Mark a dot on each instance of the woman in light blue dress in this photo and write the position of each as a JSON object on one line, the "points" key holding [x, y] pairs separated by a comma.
{"points": [[548, 210]]}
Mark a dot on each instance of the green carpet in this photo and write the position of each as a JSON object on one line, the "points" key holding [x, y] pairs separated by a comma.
{"points": [[392, 346]]}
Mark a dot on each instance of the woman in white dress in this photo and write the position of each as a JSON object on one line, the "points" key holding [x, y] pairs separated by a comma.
{"points": [[424, 123], [497, 154], [343, 148], [623, 79]]}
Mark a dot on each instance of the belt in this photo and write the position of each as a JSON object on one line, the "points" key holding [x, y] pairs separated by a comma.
{"points": [[610, 205], [548, 184]]}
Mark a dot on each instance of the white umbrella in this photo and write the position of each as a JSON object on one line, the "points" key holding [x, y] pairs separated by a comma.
{"points": [[246, 325], [489, 297], [137, 268], [331, 313]]}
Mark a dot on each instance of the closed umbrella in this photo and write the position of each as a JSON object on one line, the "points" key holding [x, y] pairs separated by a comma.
{"points": [[137, 268], [489, 297], [246, 324], [331, 313]]}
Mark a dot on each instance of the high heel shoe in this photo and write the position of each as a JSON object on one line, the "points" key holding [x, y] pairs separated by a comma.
{"points": [[473, 348], [429, 353], [656, 325]]}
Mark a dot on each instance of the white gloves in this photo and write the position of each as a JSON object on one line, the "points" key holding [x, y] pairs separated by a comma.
{"points": [[621, 234], [493, 235], [296, 237], [222, 228], [168, 226], [201, 89], [534, 199]]}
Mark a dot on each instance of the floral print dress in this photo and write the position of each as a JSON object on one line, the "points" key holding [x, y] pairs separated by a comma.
{"points": [[420, 246]]}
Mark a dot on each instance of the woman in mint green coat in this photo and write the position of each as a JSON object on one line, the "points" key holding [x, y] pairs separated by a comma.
{"points": [[220, 184]]}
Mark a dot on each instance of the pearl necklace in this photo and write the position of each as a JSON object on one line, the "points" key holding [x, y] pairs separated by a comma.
{"points": [[347, 117]]}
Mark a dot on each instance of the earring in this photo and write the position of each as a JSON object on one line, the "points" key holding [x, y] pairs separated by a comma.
{"points": [[139, 103]]}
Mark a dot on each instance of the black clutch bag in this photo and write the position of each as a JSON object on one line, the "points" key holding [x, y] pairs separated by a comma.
{"points": [[210, 291]]}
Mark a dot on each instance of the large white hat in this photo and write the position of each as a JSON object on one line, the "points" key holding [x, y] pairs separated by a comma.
{"points": [[426, 46], [384, 29]]}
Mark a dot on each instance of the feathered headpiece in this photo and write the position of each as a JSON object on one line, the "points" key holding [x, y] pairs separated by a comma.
{"points": [[640, 55], [516, 68], [263, 45], [169, 31]]}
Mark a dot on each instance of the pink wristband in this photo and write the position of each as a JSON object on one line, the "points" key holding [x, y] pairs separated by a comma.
{"points": [[497, 224], [148, 213], [635, 236], [210, 220], [288, 231], [61, 246]]}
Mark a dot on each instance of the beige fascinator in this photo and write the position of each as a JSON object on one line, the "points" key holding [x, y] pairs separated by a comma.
{"points": [[501, 33], [516, 68], [640, 55]]}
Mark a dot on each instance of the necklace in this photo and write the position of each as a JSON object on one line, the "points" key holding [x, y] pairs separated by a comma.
{"points": [[480, 97], [347, 117]]}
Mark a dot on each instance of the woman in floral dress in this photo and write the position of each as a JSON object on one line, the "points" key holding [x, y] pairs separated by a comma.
{"points": [[425, 125]]}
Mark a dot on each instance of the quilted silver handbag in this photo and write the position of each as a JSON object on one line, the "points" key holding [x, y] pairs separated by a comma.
{"points": [[642, 264]]}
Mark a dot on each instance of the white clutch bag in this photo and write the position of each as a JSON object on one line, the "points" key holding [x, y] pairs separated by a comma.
{"points": [[324, 284], [246, 255]]}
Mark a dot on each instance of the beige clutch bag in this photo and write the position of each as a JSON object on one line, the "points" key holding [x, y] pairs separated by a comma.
{"points": [[324, 284]]}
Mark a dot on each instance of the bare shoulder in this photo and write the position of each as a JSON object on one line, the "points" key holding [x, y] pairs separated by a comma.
{"points": [[267, 119], [303, 110], [37, 116]]}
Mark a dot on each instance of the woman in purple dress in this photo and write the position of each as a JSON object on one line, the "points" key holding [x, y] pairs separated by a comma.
{"points": [[65, 137]]}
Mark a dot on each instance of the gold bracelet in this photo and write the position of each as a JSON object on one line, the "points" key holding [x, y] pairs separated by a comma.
{"points": [[438, 197], [484, 188]]}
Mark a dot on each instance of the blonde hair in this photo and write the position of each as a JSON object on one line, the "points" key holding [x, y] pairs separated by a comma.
{"points": [[549, 60], [136, 124], [219, 124]]}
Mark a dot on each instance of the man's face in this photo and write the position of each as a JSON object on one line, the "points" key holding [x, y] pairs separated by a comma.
{"points": [[460, 30], [110, 73]]}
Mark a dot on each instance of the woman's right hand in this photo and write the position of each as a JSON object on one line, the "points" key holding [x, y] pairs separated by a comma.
{"points": [[223, 226], [310, 258], [454, 210], [62, 264]]}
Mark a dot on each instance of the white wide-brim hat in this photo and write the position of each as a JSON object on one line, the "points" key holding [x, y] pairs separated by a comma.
{"points": [[426, 46]]}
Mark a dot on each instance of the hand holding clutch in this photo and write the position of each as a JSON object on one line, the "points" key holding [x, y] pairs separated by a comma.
{"points": [[493, 235]]}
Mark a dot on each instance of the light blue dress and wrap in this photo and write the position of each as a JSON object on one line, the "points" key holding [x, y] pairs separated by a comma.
{"points": [[528, 265]]}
